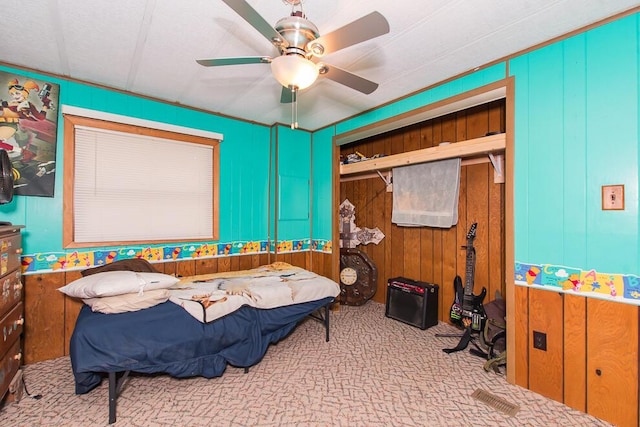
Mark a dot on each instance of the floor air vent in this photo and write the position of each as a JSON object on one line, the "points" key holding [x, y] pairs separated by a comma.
{"points": [[496, 402]]}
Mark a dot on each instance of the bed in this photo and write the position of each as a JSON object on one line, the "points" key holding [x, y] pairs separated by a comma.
{"points": [[208, 322]]}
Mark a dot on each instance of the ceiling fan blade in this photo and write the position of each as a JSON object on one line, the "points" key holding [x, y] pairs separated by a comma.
{"points": [[234, 61], [250, 15], [365, 28], [287, 96], [348, 79]]}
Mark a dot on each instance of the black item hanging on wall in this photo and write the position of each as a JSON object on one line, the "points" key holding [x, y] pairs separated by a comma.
{"points": [[6, 178]]}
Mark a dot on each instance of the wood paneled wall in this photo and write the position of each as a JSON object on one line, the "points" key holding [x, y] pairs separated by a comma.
{"points": [[591, 359], [50, 316], [431, 254]]}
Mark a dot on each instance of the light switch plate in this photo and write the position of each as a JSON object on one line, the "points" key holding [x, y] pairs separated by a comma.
{"points": [[613, 197]]}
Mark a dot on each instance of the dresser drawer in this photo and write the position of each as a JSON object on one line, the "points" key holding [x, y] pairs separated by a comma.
{"points": [[10, 251], [10, 291], [9, 365], [11, 327]]}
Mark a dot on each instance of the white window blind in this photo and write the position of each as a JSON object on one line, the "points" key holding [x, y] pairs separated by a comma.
{"points": [[131, 187]]}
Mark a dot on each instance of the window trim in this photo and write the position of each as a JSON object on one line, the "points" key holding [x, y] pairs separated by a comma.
{"points": [[71, 121]]}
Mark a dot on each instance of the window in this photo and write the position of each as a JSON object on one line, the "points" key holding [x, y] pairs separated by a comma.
{"points": [[133, 184]]}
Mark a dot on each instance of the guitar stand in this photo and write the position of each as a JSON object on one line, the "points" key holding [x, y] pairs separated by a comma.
{"points": [[477, 351], [465, 339], [493, 361]]}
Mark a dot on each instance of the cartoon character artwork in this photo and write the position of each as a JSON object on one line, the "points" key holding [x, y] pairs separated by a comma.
{"points": [[612, 285], [531, 274], [151, 254], [104, 257], [250, 247], [285, 246], [28, 132], [77, 259]]}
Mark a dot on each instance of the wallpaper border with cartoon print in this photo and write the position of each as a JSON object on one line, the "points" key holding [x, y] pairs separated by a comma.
{"points": [[76, 260], [589, 283]]}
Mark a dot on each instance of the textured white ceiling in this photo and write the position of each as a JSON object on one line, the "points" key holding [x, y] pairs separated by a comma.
{"points": [[150, 47]]}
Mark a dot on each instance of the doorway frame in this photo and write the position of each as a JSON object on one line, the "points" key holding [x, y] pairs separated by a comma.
{"points": [[500, 89]]}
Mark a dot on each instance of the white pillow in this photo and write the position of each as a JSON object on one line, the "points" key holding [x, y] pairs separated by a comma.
{"points": [[157, 280], [128, 302], [112, 283]]}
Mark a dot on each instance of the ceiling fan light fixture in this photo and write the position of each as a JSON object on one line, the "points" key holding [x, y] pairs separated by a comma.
{"points": [[294, 71]]}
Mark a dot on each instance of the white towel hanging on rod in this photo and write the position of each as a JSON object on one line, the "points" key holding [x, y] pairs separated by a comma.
{"points": [[426, 194]]}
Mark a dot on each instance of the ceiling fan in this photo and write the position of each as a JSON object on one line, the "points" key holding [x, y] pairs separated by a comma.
{"points": [[300, 48]]}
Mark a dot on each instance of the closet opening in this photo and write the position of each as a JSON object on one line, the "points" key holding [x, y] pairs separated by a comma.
{"points": [[429, 254]]}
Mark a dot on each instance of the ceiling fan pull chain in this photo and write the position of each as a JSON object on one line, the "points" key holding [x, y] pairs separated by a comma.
{"points": [[295, 102], [294, 107]]}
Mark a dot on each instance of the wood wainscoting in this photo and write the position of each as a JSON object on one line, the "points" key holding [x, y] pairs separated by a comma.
{"points": [[590, 362], [50, 316]]}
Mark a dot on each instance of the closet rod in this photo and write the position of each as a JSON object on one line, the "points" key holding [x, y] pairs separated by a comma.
{"points": [[472, 151], [465, 162], [463, 149]]}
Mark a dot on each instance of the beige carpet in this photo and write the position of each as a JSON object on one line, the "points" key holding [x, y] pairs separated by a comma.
{"points": [[374, 371]]}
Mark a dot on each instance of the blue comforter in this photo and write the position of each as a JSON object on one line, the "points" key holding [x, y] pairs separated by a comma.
{"points": [[167, 339]]}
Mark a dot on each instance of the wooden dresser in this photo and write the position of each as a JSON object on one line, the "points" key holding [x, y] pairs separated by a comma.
{"points": [[11, 307]]}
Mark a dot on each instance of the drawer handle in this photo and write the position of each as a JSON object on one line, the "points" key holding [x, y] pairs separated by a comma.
{"points": [[19, 251], [17, 356], [18, 286], [20, 321]]}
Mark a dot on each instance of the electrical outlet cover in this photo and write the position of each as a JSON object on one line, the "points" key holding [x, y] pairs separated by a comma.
{"points": [[540, 340]]}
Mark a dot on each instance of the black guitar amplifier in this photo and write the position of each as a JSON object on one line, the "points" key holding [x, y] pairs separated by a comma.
{"points": [[412, 302]]}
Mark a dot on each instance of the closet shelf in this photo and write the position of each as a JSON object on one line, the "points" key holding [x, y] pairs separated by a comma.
{"points": [[471, 149]]}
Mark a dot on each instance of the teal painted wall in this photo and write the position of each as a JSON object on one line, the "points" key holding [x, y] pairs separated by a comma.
{"points": [[272, 185], [576, 129], [244, 170], [435, 94], [322, 179], [294, 185]]}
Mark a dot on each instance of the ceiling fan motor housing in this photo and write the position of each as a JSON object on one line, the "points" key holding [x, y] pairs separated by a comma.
{"points": [[298, 32]]}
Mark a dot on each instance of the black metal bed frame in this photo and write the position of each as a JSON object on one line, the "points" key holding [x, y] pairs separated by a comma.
{"points": [[117, 379]]}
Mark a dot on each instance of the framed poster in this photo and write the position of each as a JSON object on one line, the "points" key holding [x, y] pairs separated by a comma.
{"points": [[28, 132]]}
